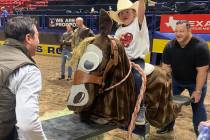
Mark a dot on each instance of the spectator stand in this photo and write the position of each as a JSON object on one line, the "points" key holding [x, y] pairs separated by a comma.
{"points": [[65, 11]]}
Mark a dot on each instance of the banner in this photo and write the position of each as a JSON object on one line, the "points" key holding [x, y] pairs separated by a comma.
{"points": [[45, 49], [200, 23], [54, 50], [61, 21], [1, 42]]}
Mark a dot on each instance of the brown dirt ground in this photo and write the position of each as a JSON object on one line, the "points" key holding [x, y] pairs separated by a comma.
{"points": [[54, 95]]}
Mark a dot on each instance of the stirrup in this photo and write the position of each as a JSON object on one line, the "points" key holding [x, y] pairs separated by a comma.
{"points": [[182, 100]]}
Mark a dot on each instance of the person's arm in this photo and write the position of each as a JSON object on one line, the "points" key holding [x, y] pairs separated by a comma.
{"points": [[166, 67], [26, 84], [202, 73], [73, 40], [141, 11], [166, 57], [62, 39], [202, 60], [6, 13]]}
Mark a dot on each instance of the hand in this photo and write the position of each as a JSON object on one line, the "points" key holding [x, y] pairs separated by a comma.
{"points": [[206, 123], [64, 41], [197, 95]]}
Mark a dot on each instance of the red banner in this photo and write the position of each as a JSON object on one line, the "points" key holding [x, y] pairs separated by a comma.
{"points": [[200, 23]]}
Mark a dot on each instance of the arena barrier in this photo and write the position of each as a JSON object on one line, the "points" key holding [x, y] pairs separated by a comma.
{"points": [[159, 45], [50, 50], [1, 42], [54, 50]]}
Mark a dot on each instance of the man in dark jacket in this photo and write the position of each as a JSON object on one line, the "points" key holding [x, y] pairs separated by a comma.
{"points": [[80, 33], [66, 51]]}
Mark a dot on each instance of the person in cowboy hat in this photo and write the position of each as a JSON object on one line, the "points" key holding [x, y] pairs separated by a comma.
{"points": [[133, 34]]}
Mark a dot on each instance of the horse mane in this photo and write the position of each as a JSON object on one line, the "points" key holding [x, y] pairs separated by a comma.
{"points": [[79, 51]]}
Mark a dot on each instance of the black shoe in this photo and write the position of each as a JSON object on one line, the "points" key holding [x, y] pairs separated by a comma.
{"points": [[69, 78], [164, 130], [62, 77]]}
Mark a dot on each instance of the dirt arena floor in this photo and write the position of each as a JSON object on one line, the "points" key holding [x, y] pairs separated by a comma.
{"points": [[54, 95]]}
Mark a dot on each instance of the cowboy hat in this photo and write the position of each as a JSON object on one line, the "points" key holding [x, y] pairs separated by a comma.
{"points": [[123, 5]]}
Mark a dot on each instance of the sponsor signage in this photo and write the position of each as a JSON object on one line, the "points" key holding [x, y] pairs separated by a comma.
{"points": [[1, 42], [61, 21], [200, 23], [54, 50], [45, 49]]}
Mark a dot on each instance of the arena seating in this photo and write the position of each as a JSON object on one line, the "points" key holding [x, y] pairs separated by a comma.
{"points": [[12, 5], [181, 6], [63, 7]]}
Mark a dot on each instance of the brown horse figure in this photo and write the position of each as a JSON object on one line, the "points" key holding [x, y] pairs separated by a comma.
{"points": [[99, 63]]}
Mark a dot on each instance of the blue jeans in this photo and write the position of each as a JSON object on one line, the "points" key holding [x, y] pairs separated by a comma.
{"points": [[65, 56], [137, 75], [199, 111]]}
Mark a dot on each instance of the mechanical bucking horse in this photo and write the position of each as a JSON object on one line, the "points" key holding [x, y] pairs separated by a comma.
{"points": [[103, 85]]}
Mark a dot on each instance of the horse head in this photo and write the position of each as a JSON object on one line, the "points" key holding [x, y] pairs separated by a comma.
{"points": [[99, 63]]}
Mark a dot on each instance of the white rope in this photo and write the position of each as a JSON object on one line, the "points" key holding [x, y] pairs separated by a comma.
{"points": [[131, 126]]}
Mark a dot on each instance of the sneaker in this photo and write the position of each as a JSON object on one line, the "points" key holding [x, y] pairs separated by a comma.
{"points": [[164, 130], [167, 129], [140, 120], [69, 78]]}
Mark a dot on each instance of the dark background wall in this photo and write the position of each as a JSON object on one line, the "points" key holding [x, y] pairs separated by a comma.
{"points": [[45, 38]]}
